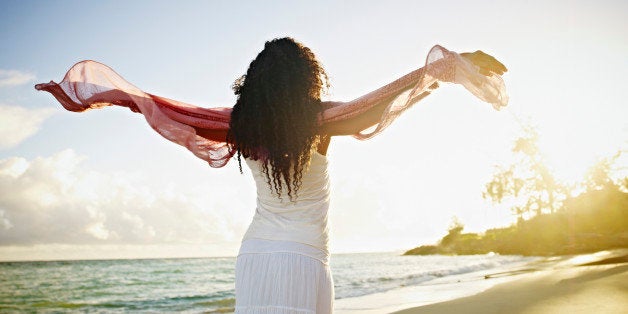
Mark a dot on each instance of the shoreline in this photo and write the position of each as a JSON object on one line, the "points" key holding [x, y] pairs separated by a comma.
{"points": [[572, 284], [436, 290], [591, 283]]}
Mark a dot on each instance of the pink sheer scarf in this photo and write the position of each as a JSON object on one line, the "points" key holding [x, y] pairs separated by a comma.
{"points": [[89, 84]]}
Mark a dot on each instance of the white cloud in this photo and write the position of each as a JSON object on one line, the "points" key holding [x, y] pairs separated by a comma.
{"points": [[19, 123], [56, 200], [4, 223], [13, 77]]}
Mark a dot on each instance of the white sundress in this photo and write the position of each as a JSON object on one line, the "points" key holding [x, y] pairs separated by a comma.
{"points": [[283, 263]]}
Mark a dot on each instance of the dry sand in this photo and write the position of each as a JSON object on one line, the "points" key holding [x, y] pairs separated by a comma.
{"points": [[596, 283]]}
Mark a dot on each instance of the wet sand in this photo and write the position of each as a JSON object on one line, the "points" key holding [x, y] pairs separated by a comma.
{"points": [[594, 283]]}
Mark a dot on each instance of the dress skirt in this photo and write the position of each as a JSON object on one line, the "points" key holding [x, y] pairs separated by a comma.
{"points": [[282, 277]]}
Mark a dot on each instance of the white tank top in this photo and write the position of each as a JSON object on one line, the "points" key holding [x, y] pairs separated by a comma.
{"points": [[303, 220]]}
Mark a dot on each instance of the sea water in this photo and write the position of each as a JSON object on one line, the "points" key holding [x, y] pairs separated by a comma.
{"points": [[205, 284]]}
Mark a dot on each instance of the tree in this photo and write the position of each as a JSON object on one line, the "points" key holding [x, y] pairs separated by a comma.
{"points": [[528, 184], [455, 229], [599, 175]]}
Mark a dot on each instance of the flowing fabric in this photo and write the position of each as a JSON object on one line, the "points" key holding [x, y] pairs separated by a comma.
{"points": [[90, 84]]}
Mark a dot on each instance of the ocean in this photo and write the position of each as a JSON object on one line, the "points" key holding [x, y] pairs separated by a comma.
{"points": [[205, 285]]}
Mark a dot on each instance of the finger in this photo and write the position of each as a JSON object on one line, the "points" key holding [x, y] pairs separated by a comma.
{"points": [[497, 65], [501, 67], [490, 62], [486, 63]]}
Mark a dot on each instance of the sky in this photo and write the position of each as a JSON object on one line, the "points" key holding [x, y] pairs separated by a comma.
{"points": [[102, 184]]}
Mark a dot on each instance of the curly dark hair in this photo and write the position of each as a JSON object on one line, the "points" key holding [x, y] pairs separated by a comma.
{"points": [[275, 118]]}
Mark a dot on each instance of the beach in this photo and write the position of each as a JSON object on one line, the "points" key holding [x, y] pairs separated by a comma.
{"points": [[591, 283], [588, 289]]}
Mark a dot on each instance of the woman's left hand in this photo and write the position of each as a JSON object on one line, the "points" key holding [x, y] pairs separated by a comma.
{"points": [[487, 63]]}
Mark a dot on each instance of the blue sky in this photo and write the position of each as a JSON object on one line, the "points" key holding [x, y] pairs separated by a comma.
{"points": [[117, 187]]}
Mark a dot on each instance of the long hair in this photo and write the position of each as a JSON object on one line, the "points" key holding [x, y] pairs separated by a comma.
{"points": [[275, 118]]}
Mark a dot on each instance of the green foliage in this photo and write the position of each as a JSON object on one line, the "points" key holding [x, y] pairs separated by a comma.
{"points": [[453, 233], [528, 183], [599, 176], [424, 250], [596, 219], [592, 221]]}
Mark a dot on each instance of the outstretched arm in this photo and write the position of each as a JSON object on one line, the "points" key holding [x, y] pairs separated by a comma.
{"points": [[358, 122], [351, 126], [367, 110], [212, 135]]}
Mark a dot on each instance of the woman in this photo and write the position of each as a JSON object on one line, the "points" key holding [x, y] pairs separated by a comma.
{"points": [[283, 264], [282, 130]]}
